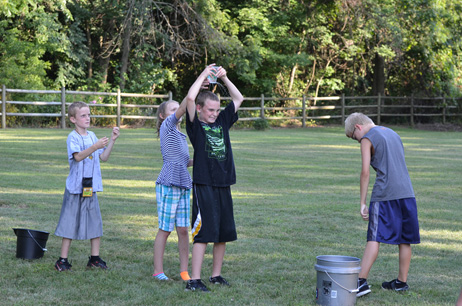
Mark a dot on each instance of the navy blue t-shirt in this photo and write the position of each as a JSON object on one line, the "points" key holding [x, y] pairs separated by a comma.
{"points": [[213, 156]]}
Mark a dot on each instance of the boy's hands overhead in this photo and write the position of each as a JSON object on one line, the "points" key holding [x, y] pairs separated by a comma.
{"points": [[205, 84], [220, 72]]}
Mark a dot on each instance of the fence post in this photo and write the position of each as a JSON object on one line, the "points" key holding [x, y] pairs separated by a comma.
{"points": [[63, 107], [118, 107], [262, 107], [444, 110], [304, 111], [170, 95], [3, 106], [412, 110], [379, 108], [343, 109]]}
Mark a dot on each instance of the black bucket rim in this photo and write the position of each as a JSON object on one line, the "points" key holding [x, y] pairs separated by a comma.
{"points": [[28, 229]]}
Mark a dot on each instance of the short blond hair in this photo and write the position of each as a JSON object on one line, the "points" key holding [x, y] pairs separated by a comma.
{"points": [[72, 111], [353, 119]]}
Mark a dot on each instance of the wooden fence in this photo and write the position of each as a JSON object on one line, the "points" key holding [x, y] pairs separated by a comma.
{"points": [[63, 93], [306, 108]]}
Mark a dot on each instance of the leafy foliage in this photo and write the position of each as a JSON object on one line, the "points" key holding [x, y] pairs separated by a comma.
{"points": [[281, 48]]}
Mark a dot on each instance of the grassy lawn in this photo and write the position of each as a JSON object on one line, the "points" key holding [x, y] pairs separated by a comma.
{"points": [[296, 197]]}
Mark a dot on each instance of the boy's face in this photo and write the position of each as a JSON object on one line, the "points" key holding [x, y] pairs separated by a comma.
{"points": [[82, 118], [209, 112], [358, 132], [353, 136]]}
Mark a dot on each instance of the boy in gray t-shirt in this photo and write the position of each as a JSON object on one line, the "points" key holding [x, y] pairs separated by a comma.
{"points": [[80, 217], [392, 213]]}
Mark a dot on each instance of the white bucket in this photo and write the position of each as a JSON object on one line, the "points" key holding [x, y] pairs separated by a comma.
{"points": [[337, 280]]}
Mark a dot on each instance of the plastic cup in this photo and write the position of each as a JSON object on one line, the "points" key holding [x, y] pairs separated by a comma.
{"points": [[213, 78]]}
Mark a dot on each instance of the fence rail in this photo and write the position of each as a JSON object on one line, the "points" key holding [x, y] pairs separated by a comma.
{"points": [[63, 93], [411, 107]]}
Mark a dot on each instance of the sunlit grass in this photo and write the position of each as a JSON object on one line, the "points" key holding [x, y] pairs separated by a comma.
{"points": [[296, 197]]}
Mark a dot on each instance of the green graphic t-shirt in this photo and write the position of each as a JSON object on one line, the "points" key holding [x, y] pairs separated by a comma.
{"points": [[215, 142], [213, 156]]}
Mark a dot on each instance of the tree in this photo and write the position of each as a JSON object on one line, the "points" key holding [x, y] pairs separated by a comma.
{"points": [[413, 45], [277, 47], [29, 30]]}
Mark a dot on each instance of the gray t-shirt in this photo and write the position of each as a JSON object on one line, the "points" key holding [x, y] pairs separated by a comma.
{"points": [[89, 167], [392, 181]]}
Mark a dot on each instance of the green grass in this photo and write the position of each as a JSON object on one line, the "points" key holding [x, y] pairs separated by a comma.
{"points": [[296, 197]]}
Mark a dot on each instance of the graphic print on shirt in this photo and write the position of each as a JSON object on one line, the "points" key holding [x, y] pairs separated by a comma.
{"points": [[215, 142]]}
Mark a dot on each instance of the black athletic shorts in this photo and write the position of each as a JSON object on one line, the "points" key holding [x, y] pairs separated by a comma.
{"points": [[212, 214]]}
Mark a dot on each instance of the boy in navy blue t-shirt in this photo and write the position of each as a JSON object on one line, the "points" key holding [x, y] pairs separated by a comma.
{"points": [[80, 216]]}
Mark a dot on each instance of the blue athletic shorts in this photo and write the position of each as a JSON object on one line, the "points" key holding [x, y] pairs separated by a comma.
{"points": [[394, 222], [212, 214], [172, 207]]}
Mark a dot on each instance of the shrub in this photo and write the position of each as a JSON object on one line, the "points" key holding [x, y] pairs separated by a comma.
{"points": [[261, 124]]}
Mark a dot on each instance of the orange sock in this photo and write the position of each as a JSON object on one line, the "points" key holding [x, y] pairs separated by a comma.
{"points": [[185, 275]]}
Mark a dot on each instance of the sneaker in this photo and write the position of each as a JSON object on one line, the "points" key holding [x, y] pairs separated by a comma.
{"points": [[395, 285], [363, 287], [218, 280], [99, 263], [196, 285], [63, 265]]}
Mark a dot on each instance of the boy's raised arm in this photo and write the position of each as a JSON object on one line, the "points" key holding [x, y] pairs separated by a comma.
{"points": [[234, 93], [115, 134], [194, 91]]}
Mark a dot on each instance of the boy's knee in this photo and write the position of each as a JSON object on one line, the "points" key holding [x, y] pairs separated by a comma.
{"points": [[163, 233], [182, 231]]}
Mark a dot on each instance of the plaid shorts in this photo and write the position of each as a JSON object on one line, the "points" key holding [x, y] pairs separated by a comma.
{"points": [[172, 207]]}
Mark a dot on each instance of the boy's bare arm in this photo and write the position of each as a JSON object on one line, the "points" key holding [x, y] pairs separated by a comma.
{"points": [[235, 94], [115, 134], [188, 102], [366, 147], [101, 143], [190, 98]]}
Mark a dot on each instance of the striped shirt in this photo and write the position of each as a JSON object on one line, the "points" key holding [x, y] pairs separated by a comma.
{"points": [[175, 154]]}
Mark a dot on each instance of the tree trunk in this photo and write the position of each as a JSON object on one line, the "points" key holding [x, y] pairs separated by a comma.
{"points": [[90, 54], [105, 58], [125, 52], [105, 68], [378, 84]]}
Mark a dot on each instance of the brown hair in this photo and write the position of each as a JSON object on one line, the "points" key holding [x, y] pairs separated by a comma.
{"points": [[204, 95], [72, 110], [161, 110]]}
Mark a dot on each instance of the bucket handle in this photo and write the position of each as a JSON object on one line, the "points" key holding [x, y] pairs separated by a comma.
{"points": [[349, 291], [43, 249]]}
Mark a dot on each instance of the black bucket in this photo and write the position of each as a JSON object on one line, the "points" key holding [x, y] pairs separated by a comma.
{"points": [[30, 244]]}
